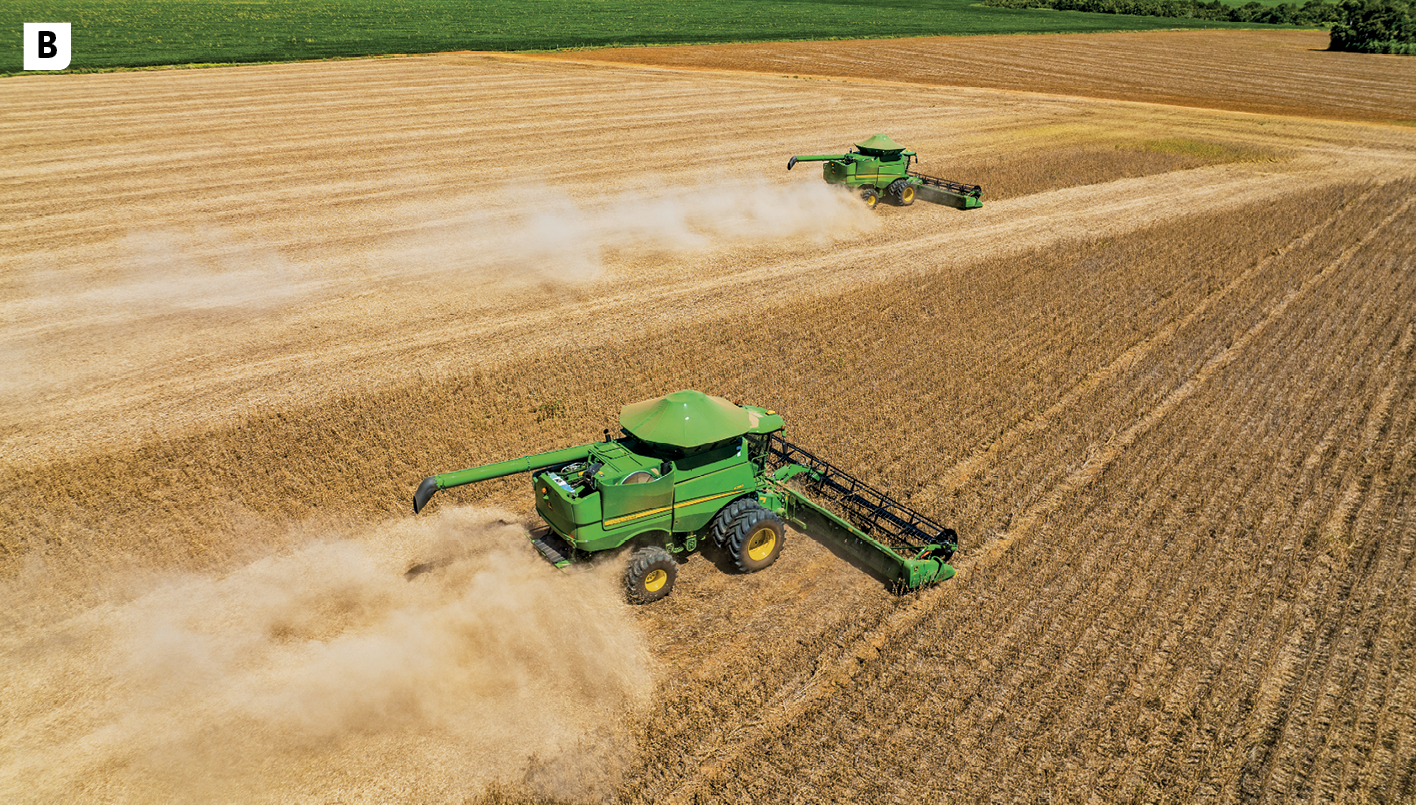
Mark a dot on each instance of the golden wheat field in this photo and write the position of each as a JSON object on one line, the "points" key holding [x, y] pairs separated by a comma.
{"points": [[1163, 384]]}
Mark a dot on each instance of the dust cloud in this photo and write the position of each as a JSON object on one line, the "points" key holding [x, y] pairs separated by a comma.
{"points": [[147, 302], [330, 671], [553, 238]]}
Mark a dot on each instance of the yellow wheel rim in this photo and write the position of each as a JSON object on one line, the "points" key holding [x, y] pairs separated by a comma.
{"points": [[907, 195], [762, 543], [655, 581], [870, 201]]}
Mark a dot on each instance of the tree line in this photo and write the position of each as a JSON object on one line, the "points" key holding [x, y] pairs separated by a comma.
{"points": [[1363, 26]]}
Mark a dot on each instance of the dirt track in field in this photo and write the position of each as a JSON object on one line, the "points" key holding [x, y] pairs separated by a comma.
{"points": [[1169, 410]]}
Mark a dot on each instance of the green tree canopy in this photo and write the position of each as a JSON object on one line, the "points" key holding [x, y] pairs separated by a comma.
{"points": [[1374, 26]]}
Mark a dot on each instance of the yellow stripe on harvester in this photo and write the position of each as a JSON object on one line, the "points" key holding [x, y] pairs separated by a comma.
{"points": [[649, 512], [629, 517]]}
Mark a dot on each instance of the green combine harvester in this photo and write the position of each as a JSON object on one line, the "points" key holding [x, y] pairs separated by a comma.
{"points": [[691, 467], [880, 167]]}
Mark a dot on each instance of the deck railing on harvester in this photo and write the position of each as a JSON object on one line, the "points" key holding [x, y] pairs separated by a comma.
{"points": [[873, 512]]}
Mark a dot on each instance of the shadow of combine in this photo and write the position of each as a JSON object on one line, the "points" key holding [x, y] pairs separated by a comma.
{"points": [[828, 535]]}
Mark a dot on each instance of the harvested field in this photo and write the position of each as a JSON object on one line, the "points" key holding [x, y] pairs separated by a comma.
{"points": [[1264, 72], [1162, 384]]}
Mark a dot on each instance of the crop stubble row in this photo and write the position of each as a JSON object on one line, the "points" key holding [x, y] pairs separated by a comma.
{"points": [[1170, 631]]}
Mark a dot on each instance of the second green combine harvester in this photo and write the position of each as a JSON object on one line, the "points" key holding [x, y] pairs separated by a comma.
{"points": [[880, 167], [691, 467]]}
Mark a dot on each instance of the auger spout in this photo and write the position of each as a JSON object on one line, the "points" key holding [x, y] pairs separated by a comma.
{"points": [[791, 163], [501, 469]]}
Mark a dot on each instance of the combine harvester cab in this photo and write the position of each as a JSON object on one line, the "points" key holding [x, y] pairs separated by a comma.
{"points": [[880, 167], [690, 467]]}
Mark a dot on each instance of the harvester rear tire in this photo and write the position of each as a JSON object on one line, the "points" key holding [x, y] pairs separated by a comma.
{"points": [[722, 523], [756, 539], [870, 197], [650, 575]]}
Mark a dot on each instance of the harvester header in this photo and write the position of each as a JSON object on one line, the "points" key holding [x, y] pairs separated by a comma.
{"points": [[880, 167], [689, 467]]}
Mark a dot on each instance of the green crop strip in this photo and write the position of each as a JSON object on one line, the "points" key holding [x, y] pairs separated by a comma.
{"points": [[109, 34], [1211, 152]]}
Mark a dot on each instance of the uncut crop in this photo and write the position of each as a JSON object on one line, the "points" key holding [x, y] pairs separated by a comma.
{"points": [[109, 34]]}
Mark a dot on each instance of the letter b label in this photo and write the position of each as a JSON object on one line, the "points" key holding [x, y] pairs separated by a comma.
{"points": [[46, 45]]}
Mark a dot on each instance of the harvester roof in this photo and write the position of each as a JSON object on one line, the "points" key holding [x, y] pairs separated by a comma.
{"points": [[879, 142], [687, 419]]}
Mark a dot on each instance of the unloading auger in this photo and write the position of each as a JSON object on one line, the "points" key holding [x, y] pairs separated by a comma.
{"points": [[691, 467]]}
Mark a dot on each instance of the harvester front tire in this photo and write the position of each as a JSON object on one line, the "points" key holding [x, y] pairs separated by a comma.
{"points": [[722, 523], [902, 192], [650, 575], [756, 538], [870, 197]]}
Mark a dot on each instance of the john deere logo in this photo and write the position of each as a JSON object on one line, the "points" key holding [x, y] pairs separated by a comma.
{"points": [[46, 45]]}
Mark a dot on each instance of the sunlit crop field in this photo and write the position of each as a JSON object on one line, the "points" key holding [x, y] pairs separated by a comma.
{"points": [[1162, 384], [121, 33]]}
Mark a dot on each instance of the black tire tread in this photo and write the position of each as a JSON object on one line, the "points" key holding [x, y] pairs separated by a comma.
{"points": [[744, 524], [640, 563], [722, 522], [897, 193]]}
